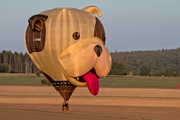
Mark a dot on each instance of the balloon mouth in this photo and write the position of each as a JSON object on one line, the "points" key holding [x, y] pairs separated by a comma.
{"points": [[81, 79], [91, 80]]}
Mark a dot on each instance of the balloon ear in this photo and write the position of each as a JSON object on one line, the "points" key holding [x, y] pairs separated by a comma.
{"points": [[36, 22], [93, 9]]}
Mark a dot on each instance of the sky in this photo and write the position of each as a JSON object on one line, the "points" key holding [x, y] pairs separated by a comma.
{"points": [[130, 25]]}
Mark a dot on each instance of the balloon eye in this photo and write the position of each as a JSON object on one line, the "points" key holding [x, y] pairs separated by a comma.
{"points": [[76, 35]]}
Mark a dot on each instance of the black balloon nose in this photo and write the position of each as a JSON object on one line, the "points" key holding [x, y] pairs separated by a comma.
{"points": [[98, 50]]}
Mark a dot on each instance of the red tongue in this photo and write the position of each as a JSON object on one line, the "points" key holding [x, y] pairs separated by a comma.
{"points": [[92, 83]]}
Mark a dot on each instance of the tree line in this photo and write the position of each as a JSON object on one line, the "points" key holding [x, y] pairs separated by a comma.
{"points": [[158, 62], [16, 63], [154, 63]]}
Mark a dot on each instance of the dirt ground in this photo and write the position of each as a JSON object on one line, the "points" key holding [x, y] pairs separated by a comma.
{"points": [[44, 103]]}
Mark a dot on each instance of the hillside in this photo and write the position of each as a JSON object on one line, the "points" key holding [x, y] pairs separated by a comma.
{"points": [[155, 60]]}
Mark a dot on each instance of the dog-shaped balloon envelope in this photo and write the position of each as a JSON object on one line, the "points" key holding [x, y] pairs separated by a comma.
{"points": [[67, 45]]}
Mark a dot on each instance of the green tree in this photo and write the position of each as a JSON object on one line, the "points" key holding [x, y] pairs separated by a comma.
{"points": [[169, 72], [0, 57], [144, 70], [16, 62], [4, 68], [5, 56], [178, 74], [118, 68], [159, 73]]}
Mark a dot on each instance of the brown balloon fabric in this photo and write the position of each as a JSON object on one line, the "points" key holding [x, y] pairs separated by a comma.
{"points": [[37, 22], [35, 41], [99, 31], [65, 88]]}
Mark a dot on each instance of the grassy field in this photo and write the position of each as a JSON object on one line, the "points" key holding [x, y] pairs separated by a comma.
{"points": [[137, 82], [17, 75], [20, 79], [112, 82]]}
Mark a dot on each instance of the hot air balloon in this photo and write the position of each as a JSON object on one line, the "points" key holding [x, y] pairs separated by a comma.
{"points": [[68, 46]]}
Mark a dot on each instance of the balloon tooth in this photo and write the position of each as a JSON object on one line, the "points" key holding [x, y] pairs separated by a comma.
{"points": [[77, 78]]}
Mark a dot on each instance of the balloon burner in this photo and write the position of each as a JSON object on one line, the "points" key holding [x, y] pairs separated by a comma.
{"points": [[65, 106]]}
